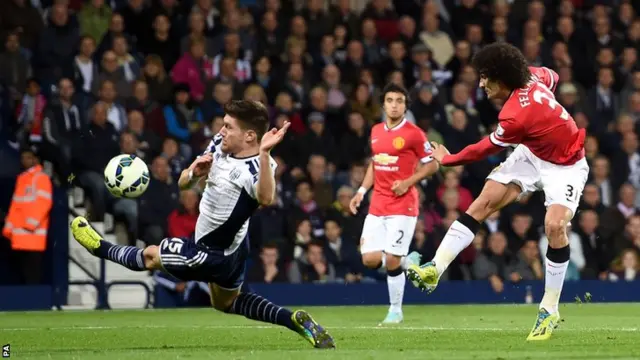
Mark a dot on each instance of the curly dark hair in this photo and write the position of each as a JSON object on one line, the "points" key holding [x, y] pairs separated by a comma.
{"points": [[504, 63]]}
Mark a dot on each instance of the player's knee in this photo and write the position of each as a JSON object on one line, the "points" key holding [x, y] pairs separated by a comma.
{"points": [[151, 256], [555, 228], [481, 208], [393, 262], [372, 260]]}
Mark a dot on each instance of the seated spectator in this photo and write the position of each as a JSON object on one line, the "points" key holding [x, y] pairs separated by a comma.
{"points": [[626, 267], [171, 152], [312, 267], [302, 237], [343, 255], [495, 262], [116, 114], [182, 221], [160, 199], [452, 181], [95, 152], [112, 72], [528, 265], [305, 205], [158, 83], [267, 269], [127, 62], [85, 69], [30, 114], [14, 66], [193, 69], [62, 126], [151, 109], [148, 142], [57, 46], [318, 176], [183, 119], [94, 19], [214, 101]]}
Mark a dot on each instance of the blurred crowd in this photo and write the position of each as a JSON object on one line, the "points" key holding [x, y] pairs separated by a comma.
{"points": [[87, 80]]}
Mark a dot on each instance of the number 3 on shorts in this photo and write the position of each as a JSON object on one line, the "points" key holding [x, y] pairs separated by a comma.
{"points": [[571, 194]]}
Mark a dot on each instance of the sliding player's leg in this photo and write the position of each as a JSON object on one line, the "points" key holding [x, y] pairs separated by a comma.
{"points": [[188, 260], [131, 257], [256, 307], [563, 186], [376, 237], [493, 197]]}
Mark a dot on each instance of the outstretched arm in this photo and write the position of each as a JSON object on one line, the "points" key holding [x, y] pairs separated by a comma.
{"points": [[472, 153]]}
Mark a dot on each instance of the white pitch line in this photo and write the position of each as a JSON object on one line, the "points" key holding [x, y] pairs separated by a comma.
{"points": [[386, 328]]}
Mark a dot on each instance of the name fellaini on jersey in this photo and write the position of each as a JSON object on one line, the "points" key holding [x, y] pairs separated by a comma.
{"points": [[229, 199]]}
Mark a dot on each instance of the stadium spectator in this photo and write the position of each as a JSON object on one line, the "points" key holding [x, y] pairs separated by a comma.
{"points": [[312, 267], [268, 270], [182, 220], [157, 203], [342, 254], [495, 262]]}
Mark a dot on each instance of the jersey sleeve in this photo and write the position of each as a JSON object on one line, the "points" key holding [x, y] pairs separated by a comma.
{"points": [[214, 145], [508, 133], [251, 182], [422, 148], [547, 76]]}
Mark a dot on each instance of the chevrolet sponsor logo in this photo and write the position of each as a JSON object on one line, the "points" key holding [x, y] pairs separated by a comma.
{"points": [[385, 159]]}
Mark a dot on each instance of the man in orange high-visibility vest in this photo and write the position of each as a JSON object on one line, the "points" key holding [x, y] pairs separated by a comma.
{"points": [[28, 219]]}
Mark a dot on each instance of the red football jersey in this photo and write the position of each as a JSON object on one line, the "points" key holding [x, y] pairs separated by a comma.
{"points": [[396, 153], [531, 116]]}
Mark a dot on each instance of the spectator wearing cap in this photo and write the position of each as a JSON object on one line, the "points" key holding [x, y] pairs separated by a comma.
{"points": [[568, 97], [434, 38], [420, 58], [183, 119], [426, 104]]}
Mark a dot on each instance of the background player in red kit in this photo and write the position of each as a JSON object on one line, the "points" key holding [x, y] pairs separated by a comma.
{"points": [[549, 156], [398, 146]]}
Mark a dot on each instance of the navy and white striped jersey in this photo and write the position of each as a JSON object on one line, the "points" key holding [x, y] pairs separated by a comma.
{"points": [[229, 199]]}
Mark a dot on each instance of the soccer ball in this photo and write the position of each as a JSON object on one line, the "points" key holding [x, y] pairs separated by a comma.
{"points": [[126, 176]]}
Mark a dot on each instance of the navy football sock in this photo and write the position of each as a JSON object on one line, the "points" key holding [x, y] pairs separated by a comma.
{"points": [[128, 256], [255, 307]]}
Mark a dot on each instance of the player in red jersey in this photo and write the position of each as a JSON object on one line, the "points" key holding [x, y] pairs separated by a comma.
{"points": [[398, 146], [548, 156]]}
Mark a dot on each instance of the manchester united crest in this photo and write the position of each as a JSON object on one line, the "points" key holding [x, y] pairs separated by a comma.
{"points": [[398, 143]]}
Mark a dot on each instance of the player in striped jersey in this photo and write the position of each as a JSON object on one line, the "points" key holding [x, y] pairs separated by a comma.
{"points": [[239, 177]]}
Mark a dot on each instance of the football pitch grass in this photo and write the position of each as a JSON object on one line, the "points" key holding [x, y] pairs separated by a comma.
{"points": [[588, 331]]}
